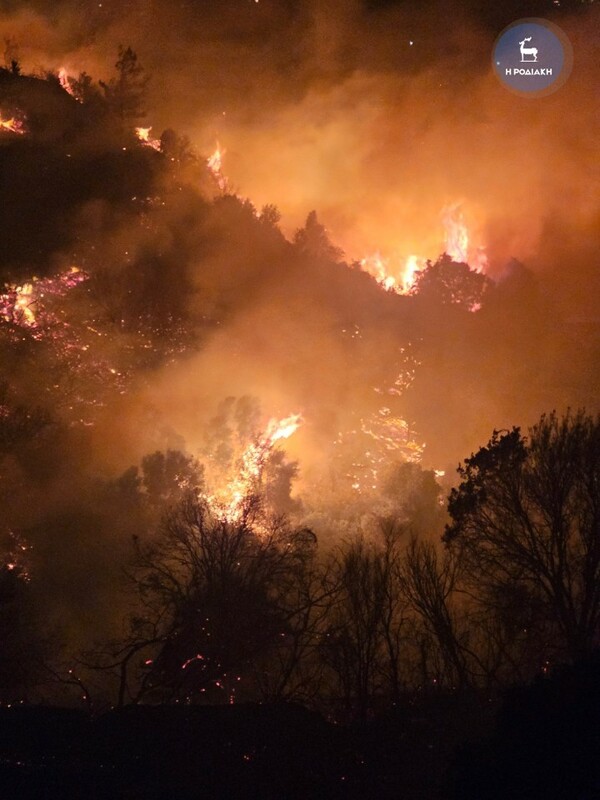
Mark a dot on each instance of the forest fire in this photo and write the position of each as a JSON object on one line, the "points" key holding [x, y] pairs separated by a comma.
{"points": [[215, 166], [458, 241], [24, 305], [66, 82], [232, 502], [11, 125], [457, 235], [144, 135], [172, 537], [457, 245], [382, 271]]}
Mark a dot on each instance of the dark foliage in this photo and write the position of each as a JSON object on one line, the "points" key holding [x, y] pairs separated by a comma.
{"points": [[545, 746]]}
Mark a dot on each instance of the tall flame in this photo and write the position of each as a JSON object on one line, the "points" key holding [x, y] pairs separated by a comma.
{"points": [[282, 429], [457, 245], [457, 235], [65, 82], [215, 166], [24, 305], [400, 282], [229, 503]]}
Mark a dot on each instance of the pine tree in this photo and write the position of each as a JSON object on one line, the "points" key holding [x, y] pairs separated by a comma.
{"points": [[126, 93]]}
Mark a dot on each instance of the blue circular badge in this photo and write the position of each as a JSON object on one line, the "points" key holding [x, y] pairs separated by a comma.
{"points": [[532, 57]]}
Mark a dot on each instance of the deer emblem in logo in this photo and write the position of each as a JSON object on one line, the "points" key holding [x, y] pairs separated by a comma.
{"points": [[528, 54]]}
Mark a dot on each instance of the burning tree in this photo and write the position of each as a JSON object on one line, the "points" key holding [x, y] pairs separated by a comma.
{"points": [[243, 462]]}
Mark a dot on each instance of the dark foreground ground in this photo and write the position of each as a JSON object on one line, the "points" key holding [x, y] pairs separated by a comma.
{"points": [[542, 742]]}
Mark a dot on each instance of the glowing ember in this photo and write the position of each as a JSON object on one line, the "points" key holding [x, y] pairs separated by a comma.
{"points": [[11, 125], [22, 305], [393, 433], [16, 558], [146, 139], [215, 167], [197, 657]]}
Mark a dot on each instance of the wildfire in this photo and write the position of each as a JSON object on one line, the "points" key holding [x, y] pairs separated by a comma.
{"points": [[17, 305], [282, 429], [23, 305], [143, 134], [11, 125], [393, 433], [229, 503], [457, 235], [65, 82], [458, 244], [215, 166], [399, 280]]}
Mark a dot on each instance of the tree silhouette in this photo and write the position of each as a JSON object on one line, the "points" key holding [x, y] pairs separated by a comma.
{"points": [[428, 581], [361, 631], [18, 423], [449, 283], [527, 515], [126, 93], [313, 240], [214, 596]]}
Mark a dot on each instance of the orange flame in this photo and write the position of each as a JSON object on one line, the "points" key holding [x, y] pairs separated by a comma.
{"points": [[215, 166], [24, 307], [458, 241], [65, 82], [457, 235], [457, 245], [282, 429], [12, 125], [143, 134], [229, 503], [400, 282]]}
